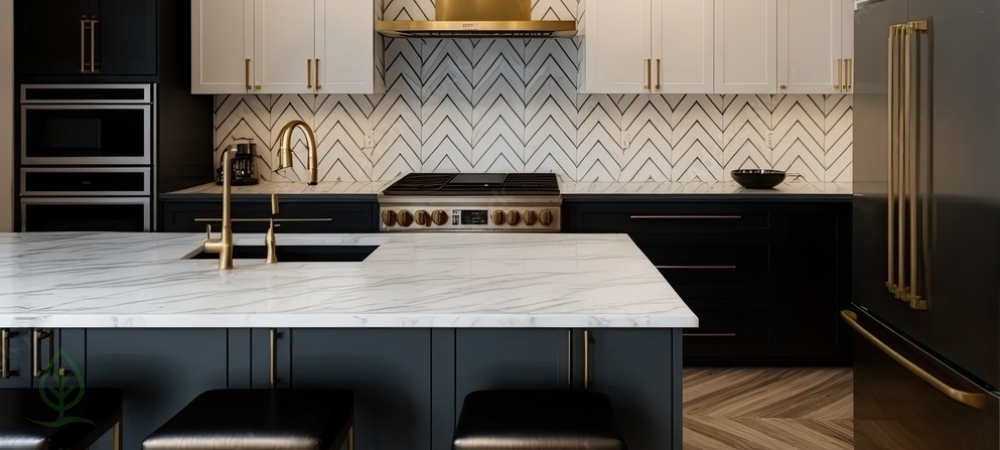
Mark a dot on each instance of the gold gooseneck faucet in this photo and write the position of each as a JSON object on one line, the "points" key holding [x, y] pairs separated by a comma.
{"points": [[223, 246], [285, 150]]}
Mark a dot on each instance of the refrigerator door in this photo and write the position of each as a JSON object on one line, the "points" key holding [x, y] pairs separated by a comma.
{"points": [[894, 408]]}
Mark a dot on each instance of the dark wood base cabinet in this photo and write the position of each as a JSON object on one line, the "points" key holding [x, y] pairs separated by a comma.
{"points": [[332, 215], [766, 279]]}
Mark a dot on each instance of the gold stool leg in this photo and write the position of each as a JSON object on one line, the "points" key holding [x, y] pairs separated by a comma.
{"points": [[118, 436], [350, 438]]}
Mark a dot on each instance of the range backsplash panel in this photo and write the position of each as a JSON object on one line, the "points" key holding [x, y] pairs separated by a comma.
{"points": [[512, 105]]}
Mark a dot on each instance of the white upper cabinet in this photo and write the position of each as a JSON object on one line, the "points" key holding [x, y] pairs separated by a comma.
{"points": [[222, 46], [345, 48], [810, 42], [847, 43], [617, 57], [284, 47], [284, 44], [746, 46], [683, 46]]}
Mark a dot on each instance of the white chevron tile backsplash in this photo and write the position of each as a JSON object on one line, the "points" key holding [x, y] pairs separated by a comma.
{"points": [[512, 105]]}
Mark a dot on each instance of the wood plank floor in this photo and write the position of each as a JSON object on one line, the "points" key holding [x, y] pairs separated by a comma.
{"points": [[768, 409]]}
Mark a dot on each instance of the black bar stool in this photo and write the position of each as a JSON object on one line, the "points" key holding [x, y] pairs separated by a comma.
{"points": [[28, 422], [541, 420], [307, 419]]}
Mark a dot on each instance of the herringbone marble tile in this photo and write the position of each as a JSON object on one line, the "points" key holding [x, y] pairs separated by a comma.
{"points": [[768, 409]]}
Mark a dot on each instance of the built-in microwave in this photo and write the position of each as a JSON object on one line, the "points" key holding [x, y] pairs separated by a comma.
{"points": [[99, 125]]}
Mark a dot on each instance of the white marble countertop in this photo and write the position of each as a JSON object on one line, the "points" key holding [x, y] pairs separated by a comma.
{"points": [[110, 280], [697, 187]]}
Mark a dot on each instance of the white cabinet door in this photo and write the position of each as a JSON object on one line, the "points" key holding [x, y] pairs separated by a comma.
{"points": [[617, 57], [284, 43], [683, 46], [848, 43], [746, 46], [809, 46], [221, 46], [345, 47]]}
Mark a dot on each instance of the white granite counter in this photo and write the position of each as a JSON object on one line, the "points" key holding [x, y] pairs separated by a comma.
{"points": [[697, 187], [96, 280]]}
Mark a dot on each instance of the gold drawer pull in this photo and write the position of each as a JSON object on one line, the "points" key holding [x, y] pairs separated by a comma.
{"points": [[36, 356], [709, 335], [972, 399], [588, 339], [5, 372], [276, 220], [687, 217], [275, 335], [696, 267]]}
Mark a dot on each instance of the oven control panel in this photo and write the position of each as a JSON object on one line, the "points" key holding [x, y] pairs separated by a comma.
{"points": [[512, 219]]}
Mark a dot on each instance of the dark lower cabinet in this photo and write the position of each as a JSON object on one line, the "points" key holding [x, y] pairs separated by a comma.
{"points": [[187, 216], [389, 371], [160, 371]]}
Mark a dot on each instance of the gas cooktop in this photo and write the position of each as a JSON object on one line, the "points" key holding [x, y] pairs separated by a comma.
{"points": [[451, 184]]}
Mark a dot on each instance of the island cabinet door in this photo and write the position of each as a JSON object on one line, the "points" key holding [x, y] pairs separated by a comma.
{"points": [[159, 371], [15, 357], [389, 371], [640, 370]]}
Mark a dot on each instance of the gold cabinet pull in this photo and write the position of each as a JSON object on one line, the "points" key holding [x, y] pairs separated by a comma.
{"points": [[83, 44], [649, 74], [36, 354], [588, 340], [5, 372], [93, 43], [247, 71], [659, 73], [849, 74], [971, 399], [319, 81], [569, 357], [257, 87], [687, 217], [840, 74], [274, 336], [309, 73], [696, 267]]}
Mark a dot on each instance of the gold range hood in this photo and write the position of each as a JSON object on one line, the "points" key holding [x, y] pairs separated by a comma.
{"points": [[479, 19]]}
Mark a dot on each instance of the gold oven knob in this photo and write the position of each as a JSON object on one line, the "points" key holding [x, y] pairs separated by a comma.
{"points": [[439, 217], [423, 218], [530, 217], [499, 217], [513, 217], [545, 217], [405, 218], [389, 218]]}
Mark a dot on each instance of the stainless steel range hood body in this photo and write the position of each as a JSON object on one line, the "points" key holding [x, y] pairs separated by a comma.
{"points": [[480, 19]]}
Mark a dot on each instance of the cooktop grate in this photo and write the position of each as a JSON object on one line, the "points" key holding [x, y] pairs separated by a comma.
{"points": [[444, 184]]}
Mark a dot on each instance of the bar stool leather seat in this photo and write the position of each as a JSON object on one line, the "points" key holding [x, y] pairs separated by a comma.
{"points": [[103, 407], [538, 420], [248, 419]]}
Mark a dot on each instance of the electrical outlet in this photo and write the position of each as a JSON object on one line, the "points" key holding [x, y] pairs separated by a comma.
{"points": [[626, 140], [369, 140], [770, 140]]}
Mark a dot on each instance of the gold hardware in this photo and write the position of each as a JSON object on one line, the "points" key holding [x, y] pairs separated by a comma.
{"points": [[83, 44], [850, 75], [649, 74], [272, 245], [285, 160], [480, 15], [275, 335], [247, 72], [257, 87], [530, 217], [422, 218], [972, 399], [783, 86], [118, 440], [439, 217], [687, 217], [659, 73], [569, 357], [36, 353], [389, 217], [696, 267], [404, 218], [545, 217], [913, 68], [840, 74], [5, 372], [263, 220], [513, 217], [499, 217], [275, 208], [588, 339], [891, 164], [709, 335], [93, 43], [900, 172], [319, 81], [350, 438], [224, 244], [309, 73]]}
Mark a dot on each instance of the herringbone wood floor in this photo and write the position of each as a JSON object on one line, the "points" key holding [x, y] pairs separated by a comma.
{"points": [[768, 409]]}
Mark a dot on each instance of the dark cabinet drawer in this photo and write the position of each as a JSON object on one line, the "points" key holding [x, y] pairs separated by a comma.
{"points": [[356, 217], [708, 265], [729, 328], [659, 218]]}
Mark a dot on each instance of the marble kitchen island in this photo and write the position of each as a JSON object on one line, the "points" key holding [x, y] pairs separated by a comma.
{"points": [[424, 320]]}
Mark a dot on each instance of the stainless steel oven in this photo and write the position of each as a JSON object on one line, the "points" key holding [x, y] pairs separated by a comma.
{"points": [[125, 214], [97, 125], [86, 181]]}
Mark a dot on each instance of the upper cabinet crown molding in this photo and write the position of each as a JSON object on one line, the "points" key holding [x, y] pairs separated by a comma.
{"points": [[284, 47]]}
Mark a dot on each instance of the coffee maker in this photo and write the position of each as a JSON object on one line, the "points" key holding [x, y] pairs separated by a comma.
{"points": [[244, 164]]}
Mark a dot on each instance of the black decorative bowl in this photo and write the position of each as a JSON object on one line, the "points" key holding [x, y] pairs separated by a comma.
{"points": [[757, 178]]}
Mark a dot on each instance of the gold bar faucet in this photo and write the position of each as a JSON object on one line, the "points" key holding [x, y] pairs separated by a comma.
{"points": [[223, 246], [285, 149]]}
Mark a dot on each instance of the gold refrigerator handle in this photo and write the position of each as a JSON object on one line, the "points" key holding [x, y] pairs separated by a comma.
{"points": [[971, 399], [273, 369], [5, 354], [890, 283], [913, 68], [93, 43], [36, 352], [900, 169], [649, 74], [588, 339]]}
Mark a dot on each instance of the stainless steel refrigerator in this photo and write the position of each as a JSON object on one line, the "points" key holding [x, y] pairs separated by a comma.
{"points": [[926, 295]]}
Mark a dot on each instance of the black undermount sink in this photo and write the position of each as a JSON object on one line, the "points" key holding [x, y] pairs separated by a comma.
{"points": [[300, 253]]}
